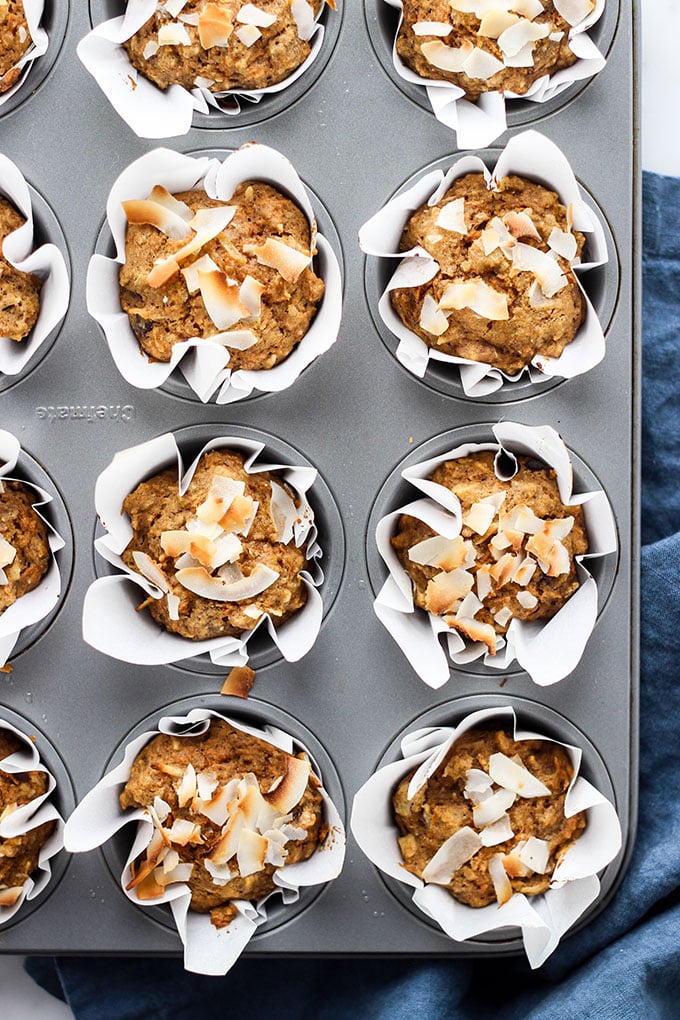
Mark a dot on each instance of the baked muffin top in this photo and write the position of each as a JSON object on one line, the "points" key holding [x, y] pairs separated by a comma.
{"points": [[490, 821], [15, 39], [231, 807], [19, 292], [513, 559], [236, 272], [505, 290], [224, 552], [24, 548]]}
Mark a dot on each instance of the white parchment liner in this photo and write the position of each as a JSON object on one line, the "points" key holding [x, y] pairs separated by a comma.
{"points": [[33, 9], [150, 111], [543, 919], [37, 604], [207, 950], [548, 651], [478, 124], [529, 155], [203, 363], [111, 623], [30, 816], [47, 262]]}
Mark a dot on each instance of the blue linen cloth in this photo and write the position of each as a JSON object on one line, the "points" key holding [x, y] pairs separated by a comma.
{"points": [[626, 963]]}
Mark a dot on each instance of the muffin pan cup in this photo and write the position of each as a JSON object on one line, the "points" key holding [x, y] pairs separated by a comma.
{"points": [[207, 950], [354, 414]]}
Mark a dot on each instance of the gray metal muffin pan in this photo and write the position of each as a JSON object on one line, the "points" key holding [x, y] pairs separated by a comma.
{"points": [[355, 138]]}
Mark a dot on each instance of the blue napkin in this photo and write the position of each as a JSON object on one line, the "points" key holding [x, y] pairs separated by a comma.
{"points": [[626, 963]]}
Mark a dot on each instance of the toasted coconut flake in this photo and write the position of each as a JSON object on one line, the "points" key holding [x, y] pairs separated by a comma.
{"points": [[6, 812], [207, 224], [493, 23], [475, 631], [479, 297], [220, 873], [206, 784], [237, 339], [501, 882], [503, 616], [525, 520], [482, 65], [161, 809], [520, 224], [527, 600], [251, 292], [537, 298], [7, 553], [520, 35], [150, 570], [161, 196], [173, 34], [155, 852], [200, 582], [214, 26], [527, 8], [253, 612], [456, 851], [290, 790], [239, 682], [150, 50], [289, 262], [445, 553], [559, 561], [216, 808], [446, 589], [248, 34], [535, 854], [180, 873], [547, 272], [499, 542], [489, 811], [162, 271], [452, 217], [432, 319], [498, 832], [147, 211], [496, 235], [525, 571], [503, 571], [446, 58], [483, 579], [477, 781], [563, 242], [556, 36], [223, 490], [515, 778], [469, 607], [513, 866], [250, 14], [186, 788], [9, 896], [283, 513], [183, 831], [149, 889], [228, 548], [479, 517], [574, 11], [438, 28], [251, 853], [303, 16], [222, 299], [190, 273], [240, 515]]}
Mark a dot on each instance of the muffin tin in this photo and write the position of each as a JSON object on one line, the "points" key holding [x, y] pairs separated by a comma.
{"points": [[355, 414]]}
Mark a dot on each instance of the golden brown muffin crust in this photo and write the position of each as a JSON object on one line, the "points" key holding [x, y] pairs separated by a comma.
{"points": [[163, 316], [268, 61], [439, 809], [508, 344], [19, 292], [155, 506], [23, 529], [549, 55], [19, 855], [14, 41], [228, 754]]}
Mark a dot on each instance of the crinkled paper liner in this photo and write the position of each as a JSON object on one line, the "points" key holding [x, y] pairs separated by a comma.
{"points": [[547, 651], [30, 816], [479, 124], [203, 363], [33, 9], [111, 623], [530, 155], [150, 111], [47, 262], [543, 919], [37, 604], [207, 950]]}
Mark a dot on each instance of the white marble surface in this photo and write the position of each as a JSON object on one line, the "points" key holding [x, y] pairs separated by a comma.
{"points": [[21, 998]]}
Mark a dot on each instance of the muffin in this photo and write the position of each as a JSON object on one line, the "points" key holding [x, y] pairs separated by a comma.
{"points": [[19, 292], [226, 44], [236, 272], [505, 290], [228, 810], [223, 553], [490, 820], [502, 50], [514, 557], [19, 854], [15, 39], [24, 548]]}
